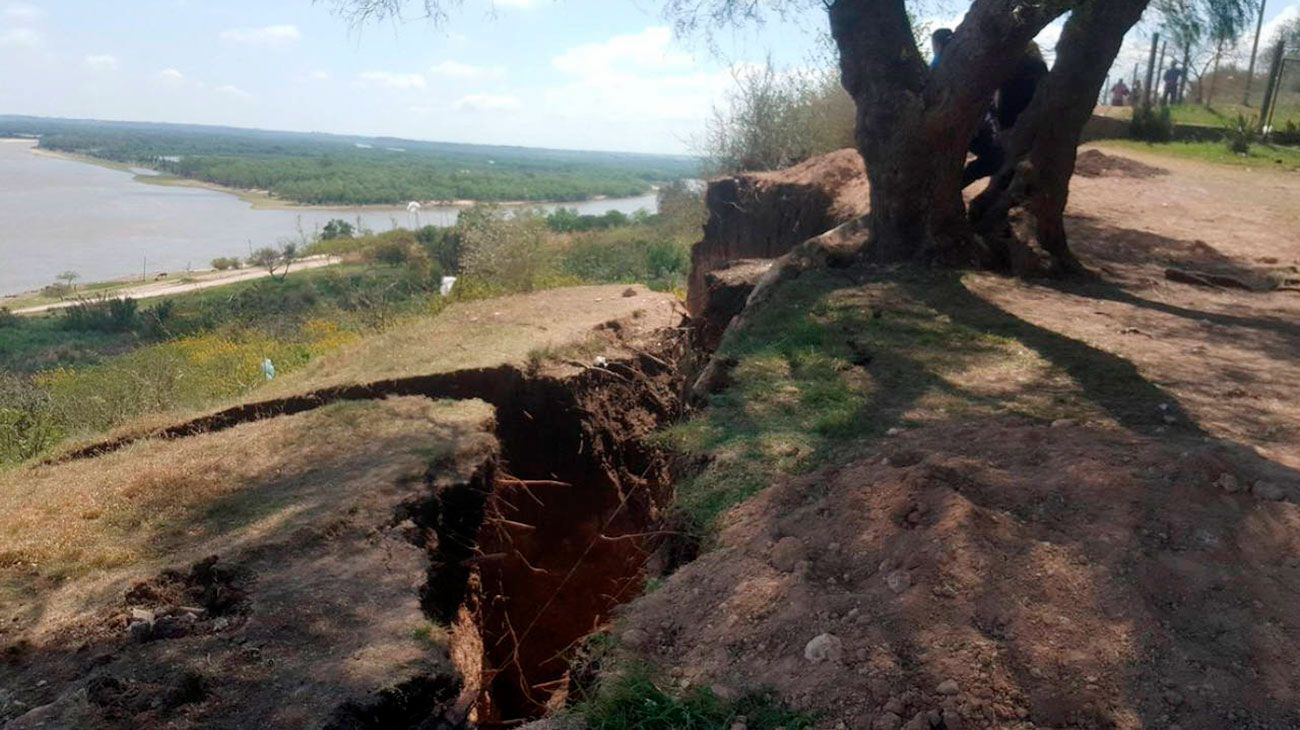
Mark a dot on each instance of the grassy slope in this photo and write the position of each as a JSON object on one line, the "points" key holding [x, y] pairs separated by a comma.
{"points": [[935, 352]]}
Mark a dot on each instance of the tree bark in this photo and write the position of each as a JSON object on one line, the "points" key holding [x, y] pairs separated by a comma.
{"points": [[914, 124], [1026, 200]]}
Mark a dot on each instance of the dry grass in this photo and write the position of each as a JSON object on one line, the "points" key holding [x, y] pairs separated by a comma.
{"points": [[96, 520], [487, 333]]}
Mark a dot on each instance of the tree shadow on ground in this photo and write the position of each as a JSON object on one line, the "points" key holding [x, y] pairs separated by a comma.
{"points": [[1126, 587], [1104, 245]]}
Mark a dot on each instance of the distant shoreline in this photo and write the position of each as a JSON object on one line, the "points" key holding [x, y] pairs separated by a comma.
{"points": [[262, 200]]}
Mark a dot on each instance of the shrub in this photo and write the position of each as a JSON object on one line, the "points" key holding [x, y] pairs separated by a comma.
{"points": [[634, 255], [1152, 124], [337, 228], [775, 119], [57, 290], [506, 249], [225, 263], [443, 245], [7, 318], [27, 424], [1240, 134], [102, 315]]}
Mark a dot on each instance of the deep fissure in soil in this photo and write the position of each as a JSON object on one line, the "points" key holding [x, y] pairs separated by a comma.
{"points": [[533, 553]]}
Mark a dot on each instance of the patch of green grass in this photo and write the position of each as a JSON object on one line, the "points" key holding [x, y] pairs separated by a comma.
{"points": [[1217, 115], [633, 700], [831, 366], [1260, 156]]}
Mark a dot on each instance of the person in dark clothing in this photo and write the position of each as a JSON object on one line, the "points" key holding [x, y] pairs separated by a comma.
{"points": [[1172, 77], [1009, 102]]}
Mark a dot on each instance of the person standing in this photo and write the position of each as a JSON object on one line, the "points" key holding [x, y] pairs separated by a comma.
{"points": [[1172, 77]]}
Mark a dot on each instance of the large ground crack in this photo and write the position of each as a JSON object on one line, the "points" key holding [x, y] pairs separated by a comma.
{"points": [[535, 550]]}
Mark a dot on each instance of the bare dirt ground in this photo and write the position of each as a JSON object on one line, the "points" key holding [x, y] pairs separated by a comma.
{"points": [[256, 577], [1135, 564]]}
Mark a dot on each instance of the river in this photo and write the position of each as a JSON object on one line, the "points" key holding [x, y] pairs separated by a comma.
{"points": [[61, 215]]}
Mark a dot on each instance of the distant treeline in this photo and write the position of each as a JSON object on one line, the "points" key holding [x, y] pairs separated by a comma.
{"points": [[336, 170]]}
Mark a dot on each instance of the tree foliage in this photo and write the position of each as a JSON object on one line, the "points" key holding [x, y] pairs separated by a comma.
{"points": [[774, 119]]}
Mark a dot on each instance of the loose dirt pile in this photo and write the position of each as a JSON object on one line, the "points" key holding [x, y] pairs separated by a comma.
{"points": [[1001, 574], [1095, 163]]}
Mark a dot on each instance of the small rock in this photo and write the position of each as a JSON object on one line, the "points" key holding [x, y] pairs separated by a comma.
{"points": [[221, 624], [948, 687], [1269, 491], [629, 292], [894, 431], [634, 638], [142, 615], [919, 721], [1062, 422], [887, 721], [1228, 483], [738, 725], [898, 581], [139, 631], [935, 717], [894, 705], [787, 553], [195, 611], [824, 648], [1173, 698]]}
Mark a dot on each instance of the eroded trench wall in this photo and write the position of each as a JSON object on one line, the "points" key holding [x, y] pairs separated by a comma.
{"points": [[536, 551]]}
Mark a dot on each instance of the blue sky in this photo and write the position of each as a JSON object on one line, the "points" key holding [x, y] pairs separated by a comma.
{"points": [[594, 74]]}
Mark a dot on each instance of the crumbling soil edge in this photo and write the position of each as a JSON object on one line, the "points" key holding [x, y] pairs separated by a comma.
{"points": [[533, 552]]}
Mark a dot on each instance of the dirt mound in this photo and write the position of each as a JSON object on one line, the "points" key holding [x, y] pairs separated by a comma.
{"points": [[1000, 574], [1095, 163], [763, 215]]}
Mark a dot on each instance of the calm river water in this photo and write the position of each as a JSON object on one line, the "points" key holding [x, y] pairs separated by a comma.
{"points": [[60, 215]]}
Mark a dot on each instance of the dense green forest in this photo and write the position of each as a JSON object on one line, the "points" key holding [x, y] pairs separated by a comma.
{"points": [[341, 170]]}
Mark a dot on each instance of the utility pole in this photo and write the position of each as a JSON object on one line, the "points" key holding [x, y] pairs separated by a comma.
{"points": [[1254, 49], [1151, 69], [144, 268], [1270, 89]]}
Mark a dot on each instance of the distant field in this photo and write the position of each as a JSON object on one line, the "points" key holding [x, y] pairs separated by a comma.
{"points": [[326, 169]]}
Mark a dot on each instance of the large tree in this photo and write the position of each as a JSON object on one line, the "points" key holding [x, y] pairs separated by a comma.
{"points": [[914, 122]]}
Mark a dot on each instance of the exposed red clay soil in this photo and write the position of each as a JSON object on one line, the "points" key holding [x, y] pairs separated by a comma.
{"points": [[568, 530], [999, 574], [763, 215], [526, 554]]}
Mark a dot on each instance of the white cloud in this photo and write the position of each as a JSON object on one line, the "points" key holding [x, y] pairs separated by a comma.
{"points": [[270, 36], [21, 12], [171, 75], [649, 50], [233, 91], [486, 103], [319, 75], [101, 62], [458, 70], [392, 80], [21, 38]]}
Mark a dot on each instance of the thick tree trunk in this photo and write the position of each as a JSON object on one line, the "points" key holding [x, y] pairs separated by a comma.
{"points": [[1026, 201], [914, 125]]}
